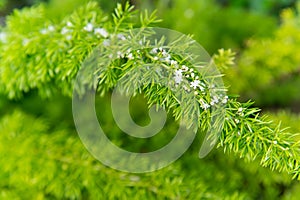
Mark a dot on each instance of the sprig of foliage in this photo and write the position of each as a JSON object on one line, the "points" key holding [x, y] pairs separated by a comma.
{"points": [[47, 56]]}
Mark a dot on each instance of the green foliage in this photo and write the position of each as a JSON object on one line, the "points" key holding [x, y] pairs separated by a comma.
{"points": [[212, 26], [261, 6], [224, 59], [51, 55], [2, 3], [39, 167], [277, 63], [44, 54]]}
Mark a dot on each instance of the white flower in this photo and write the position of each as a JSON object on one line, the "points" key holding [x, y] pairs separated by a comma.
{"points": [[121, 36], [69, 24], [106, 43], [184, 68], [130, 56], [195, 84], [69, 37], [178, 79], [101, 31], [167, 60], [154, 50], [240, 110], [51, 28], [225, 99], [275, 142], [3, 37], [173, 62], [186, 88], [165, 54], [89, 27], [64, 31], [178, 76], [204, 105], [120, 54], [25, 42], [44, 31], [201, 88], [178, 72], [214, 100]]}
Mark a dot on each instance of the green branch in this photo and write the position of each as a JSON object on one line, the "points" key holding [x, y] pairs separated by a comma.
{"points": [[39, 54]]}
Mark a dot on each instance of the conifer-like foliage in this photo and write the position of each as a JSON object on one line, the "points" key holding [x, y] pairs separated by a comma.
{"points": [[276, 59], [44, 53]]}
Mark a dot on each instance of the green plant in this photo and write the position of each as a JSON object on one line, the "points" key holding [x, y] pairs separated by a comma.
{"points": [[277, 63], [213, 27], [44, 54]]}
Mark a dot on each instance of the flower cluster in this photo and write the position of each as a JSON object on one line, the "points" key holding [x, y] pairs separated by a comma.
{"points": [[189, 79], [69, 27], [184, 77]]}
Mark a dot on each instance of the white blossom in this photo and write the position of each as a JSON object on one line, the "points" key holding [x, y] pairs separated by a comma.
{"points": [[201, 88], [178, 76], [204, 105], [69, 37], [130, 56], [101, 31], [120, 54], [178, 72], [106, 43], [214, 100], [25, 42], [121, 36], [184, 68], [178, 79], [64, 31], [154, 50], [69, 24], [44, 31], [194, 84], [89, 27], [173, 62], [3, 37], [51, 28], [186, 88], [165, 54], [225, 99]]}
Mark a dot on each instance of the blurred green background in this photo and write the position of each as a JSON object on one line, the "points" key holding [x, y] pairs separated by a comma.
{"points": [[41, 156]]}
